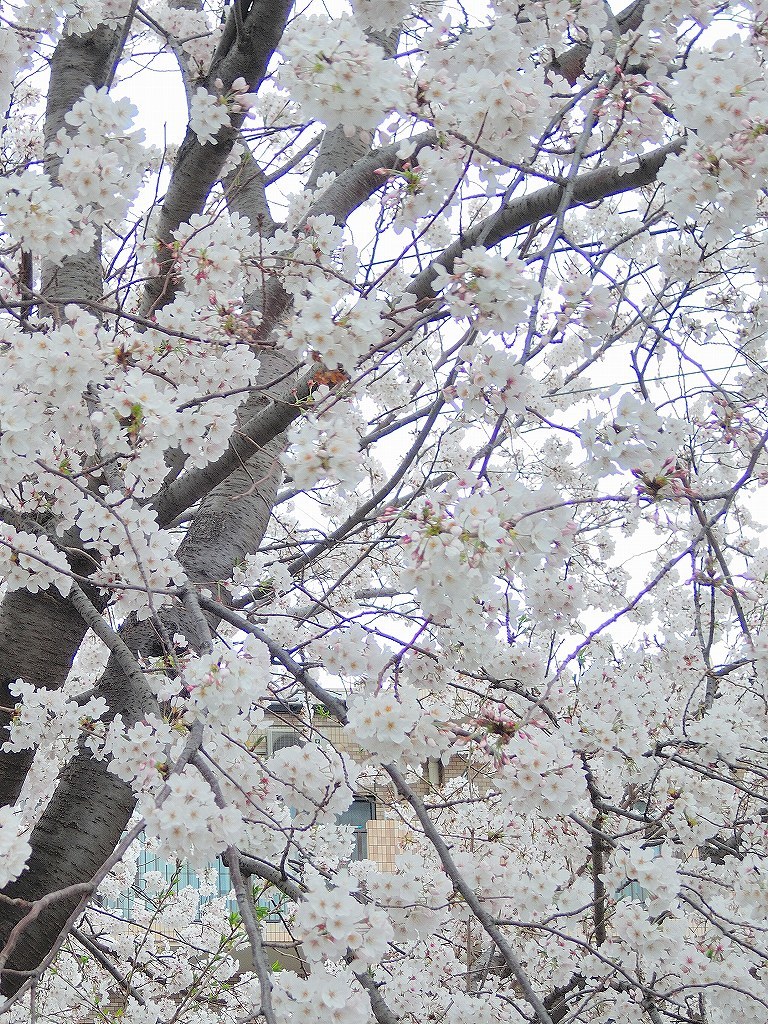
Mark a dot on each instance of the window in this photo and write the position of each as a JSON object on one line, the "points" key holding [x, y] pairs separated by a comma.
{"points": [[632, 890], [358, 815], [180, 876], [177, 876]]}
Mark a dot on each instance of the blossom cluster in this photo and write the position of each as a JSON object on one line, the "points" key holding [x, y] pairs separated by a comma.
{"points": [[189, 824], [352, 653], [325, 447], [32, 563], [140, 753], [100, 166], [66, 360], [57, 228], [397, 721], [148, 562], [653, 868], [719, 97], [209, 113], [464, 538], [635, 438], [192, 29], [336, 920], [338, 75], [338, 332], [221, 686], [486, 89], [14, 849], [46, 716], [422, 189], [540, 774], [493, 292], [317, 782], [494, 381], [381, 719], [415, 898], [332, 993]]}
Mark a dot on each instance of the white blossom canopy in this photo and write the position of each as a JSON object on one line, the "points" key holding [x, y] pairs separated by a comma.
{"points": [[412, 394]]}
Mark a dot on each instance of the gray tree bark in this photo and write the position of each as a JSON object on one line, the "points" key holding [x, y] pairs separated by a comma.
{"points": [[41, 633], [90, 807]]}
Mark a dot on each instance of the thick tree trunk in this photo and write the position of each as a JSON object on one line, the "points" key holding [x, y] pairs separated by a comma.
{"points": [[39, 637], [198, 168], [41, 633], [91, 807]]}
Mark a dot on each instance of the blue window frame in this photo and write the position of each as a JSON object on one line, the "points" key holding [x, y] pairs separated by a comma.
{"points": [[358, 815], [181, 875]]}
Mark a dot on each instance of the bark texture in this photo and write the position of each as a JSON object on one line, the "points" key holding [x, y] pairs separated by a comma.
{"points": [[91, 806], [41, 633]]}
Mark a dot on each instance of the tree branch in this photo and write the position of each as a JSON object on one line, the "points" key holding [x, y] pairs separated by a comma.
{"points": [[521, 213]]}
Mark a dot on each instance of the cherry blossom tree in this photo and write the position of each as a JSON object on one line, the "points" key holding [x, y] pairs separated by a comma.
{"points": [[417, 381]]}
